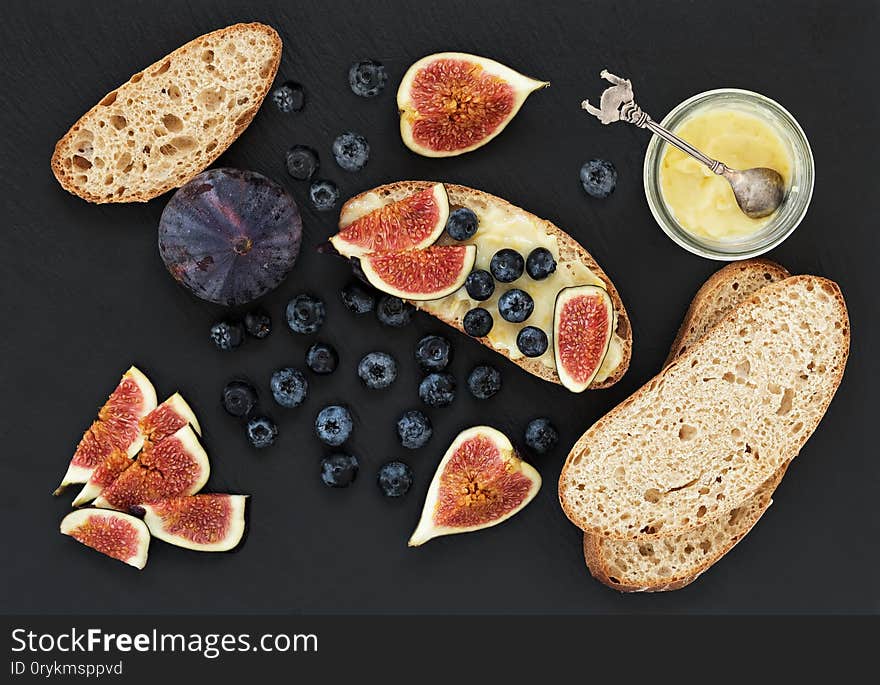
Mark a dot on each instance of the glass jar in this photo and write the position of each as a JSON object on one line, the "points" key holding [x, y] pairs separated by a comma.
{"points": [[797, 198]]}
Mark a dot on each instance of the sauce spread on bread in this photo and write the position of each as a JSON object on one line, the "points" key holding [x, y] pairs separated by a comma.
{"points": [[501, 228]]}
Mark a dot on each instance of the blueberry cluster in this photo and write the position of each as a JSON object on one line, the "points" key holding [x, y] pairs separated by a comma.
{"points": [[351, 150], [230, 333], [515, 304]]}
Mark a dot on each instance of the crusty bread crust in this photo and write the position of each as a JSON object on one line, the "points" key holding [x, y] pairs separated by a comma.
{"points": [[722, 290], [725, 289], [569, 249], [597, 553], [831, 379], [137, 110]]}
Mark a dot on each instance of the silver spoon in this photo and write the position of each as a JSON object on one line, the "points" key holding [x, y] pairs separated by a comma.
{"points": [[758, 192]]}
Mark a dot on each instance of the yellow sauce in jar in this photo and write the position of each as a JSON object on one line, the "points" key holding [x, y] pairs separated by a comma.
{"points": [[703, 202]]}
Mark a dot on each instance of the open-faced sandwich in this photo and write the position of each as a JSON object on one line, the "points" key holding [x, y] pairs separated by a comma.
{"points": [[517, 283]]}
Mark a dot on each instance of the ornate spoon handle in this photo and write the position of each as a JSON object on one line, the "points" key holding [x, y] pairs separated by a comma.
{"points": [[617, 104]]}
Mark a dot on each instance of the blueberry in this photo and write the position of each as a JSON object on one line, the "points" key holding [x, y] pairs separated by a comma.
{"points": [[302, 162], [414, 429], [227, 335], [598, 177], [394, 312], [395, 479], [479, 285], [532, 341], [541, 435], [258, 323], [462, 223], [507, 265], [333, 425], [339, 470], [484, 382], [540, 263], [433, 353], [324, 195], [305, 314], [367, 78], [261, 431], [515, 305], [437, 389], [322, 358], [239, 398], [289, 387], [477, 322], [351, 150], [377, 370], [289, 97], [358, 299]]}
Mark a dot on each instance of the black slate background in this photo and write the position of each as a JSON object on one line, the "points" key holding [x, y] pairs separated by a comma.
{"points": [[85, 295]]}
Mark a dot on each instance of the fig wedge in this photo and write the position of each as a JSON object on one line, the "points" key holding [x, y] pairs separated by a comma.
{"points": [[427, 274], [113, 533], [583, 322], [206, 523], [480, 482]]}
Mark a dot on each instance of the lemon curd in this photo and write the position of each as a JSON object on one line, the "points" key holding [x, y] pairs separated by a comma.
{"points": [[703, 202]]}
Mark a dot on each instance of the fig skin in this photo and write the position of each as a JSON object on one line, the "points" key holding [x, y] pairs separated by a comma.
{"points": [[230, 236], [447, 511], [485, 95]]}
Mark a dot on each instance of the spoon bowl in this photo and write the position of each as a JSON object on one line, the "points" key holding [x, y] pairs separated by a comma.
{"points": [[759, 192]]}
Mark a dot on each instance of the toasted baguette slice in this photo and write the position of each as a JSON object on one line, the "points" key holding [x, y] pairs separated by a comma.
{"points": [[171, 120], [571, 260], [673, 561], [705, 434]]}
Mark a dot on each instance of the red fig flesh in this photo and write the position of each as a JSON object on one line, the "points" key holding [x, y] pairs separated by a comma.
{"points": [[113, 533], [165, 420], [451, 103], [207, 523], [176, 466], [480, 482], [408, 224], [427, 274], [117, 427], [583, 322]]}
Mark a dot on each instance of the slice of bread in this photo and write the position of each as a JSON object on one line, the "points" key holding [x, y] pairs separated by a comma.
{"points": [[723, 291], [171, 120], [673, 561], [705, 434], [571, 256]]}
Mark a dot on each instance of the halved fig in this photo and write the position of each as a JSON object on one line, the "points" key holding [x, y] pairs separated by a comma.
{"points": [[113, 533], [208, 523], [583, 322], [427, 274], [451, 102], [479, 483], [165, 420], [408, 224], [117, 427], [175, 467]]}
